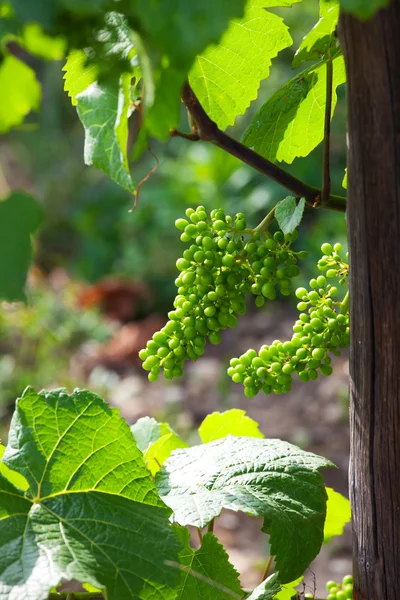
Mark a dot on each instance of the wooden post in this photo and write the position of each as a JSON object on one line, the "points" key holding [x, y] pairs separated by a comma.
{"points": [[372, 55]]}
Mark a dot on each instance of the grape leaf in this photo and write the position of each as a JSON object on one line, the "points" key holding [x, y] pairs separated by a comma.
{"points": [[20, 216], [206, 573], [36, 42], [231, 422], [289, 213], [78, 74], [156, 441], [172, 34], [321, 41], [268, 478], [91, 512], [287, 591], [338, 514], [103, 110], [291, 122], [15, 478], [364, 9], [146, 431], [226, 77], [158, 452], [267, 590], [20, 92], [326, 5]]}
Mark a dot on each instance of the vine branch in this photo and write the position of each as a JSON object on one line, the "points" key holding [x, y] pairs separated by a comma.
{"points": [[207, 130]]}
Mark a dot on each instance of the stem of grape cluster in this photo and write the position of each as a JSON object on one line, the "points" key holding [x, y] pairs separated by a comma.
{"points": [[344, 307]]}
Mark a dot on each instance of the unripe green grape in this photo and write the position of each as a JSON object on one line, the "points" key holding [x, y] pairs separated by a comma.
{"points": [[326, 248]]}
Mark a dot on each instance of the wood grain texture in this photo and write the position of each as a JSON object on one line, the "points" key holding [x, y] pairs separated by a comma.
{"points": [[372, 54]]}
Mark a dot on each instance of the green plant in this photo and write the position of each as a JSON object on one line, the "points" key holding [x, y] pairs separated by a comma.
{"points": [[99, 516], [86, 506]]}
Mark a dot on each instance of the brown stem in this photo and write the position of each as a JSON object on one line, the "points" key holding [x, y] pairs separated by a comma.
{"points": [[326, 177], [209, 132], [267, 568], [211, 526]]}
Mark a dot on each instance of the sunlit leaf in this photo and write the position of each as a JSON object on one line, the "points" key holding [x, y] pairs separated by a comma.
{"points": [[267, 478], [291, 122], [226, 77], [231, 422], [91, 512], [338, 514]]}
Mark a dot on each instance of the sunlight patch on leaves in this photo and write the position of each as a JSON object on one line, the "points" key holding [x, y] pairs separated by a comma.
{"points": [[20, 216], [91, 512], [231, 422], [226, 77], [291, 123], [268, 478]]}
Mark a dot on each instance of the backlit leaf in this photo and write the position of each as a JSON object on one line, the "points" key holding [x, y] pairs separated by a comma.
{"points": [[19, 90], [321, 41], [338, 514], [226, 77], [231, 422], [291, 122]]}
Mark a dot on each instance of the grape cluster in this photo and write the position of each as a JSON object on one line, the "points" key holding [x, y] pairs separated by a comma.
{"points": [[340, 591], [224, 262], [321, 329]]}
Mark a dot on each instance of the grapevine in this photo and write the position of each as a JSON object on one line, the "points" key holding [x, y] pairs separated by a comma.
{"points": [[225, 262], [340, 591], [321, 329]]}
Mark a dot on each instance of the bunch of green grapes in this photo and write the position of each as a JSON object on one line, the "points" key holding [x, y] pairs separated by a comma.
{"points": [[340, 591], [224, 262], [321, 329]]}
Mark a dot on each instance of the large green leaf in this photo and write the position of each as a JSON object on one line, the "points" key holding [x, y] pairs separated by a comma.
{"points": [[364, 9], [206, 573], [104, 110], [291, 122], [268, 478], [231, 422], [19, 90], [172, 35], [91, 512], [20, 216], [321, 41], [338, 514], [226, 77]]}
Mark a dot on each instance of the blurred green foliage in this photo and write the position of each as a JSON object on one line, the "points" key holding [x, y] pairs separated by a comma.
{"points": [[38, 339]]}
